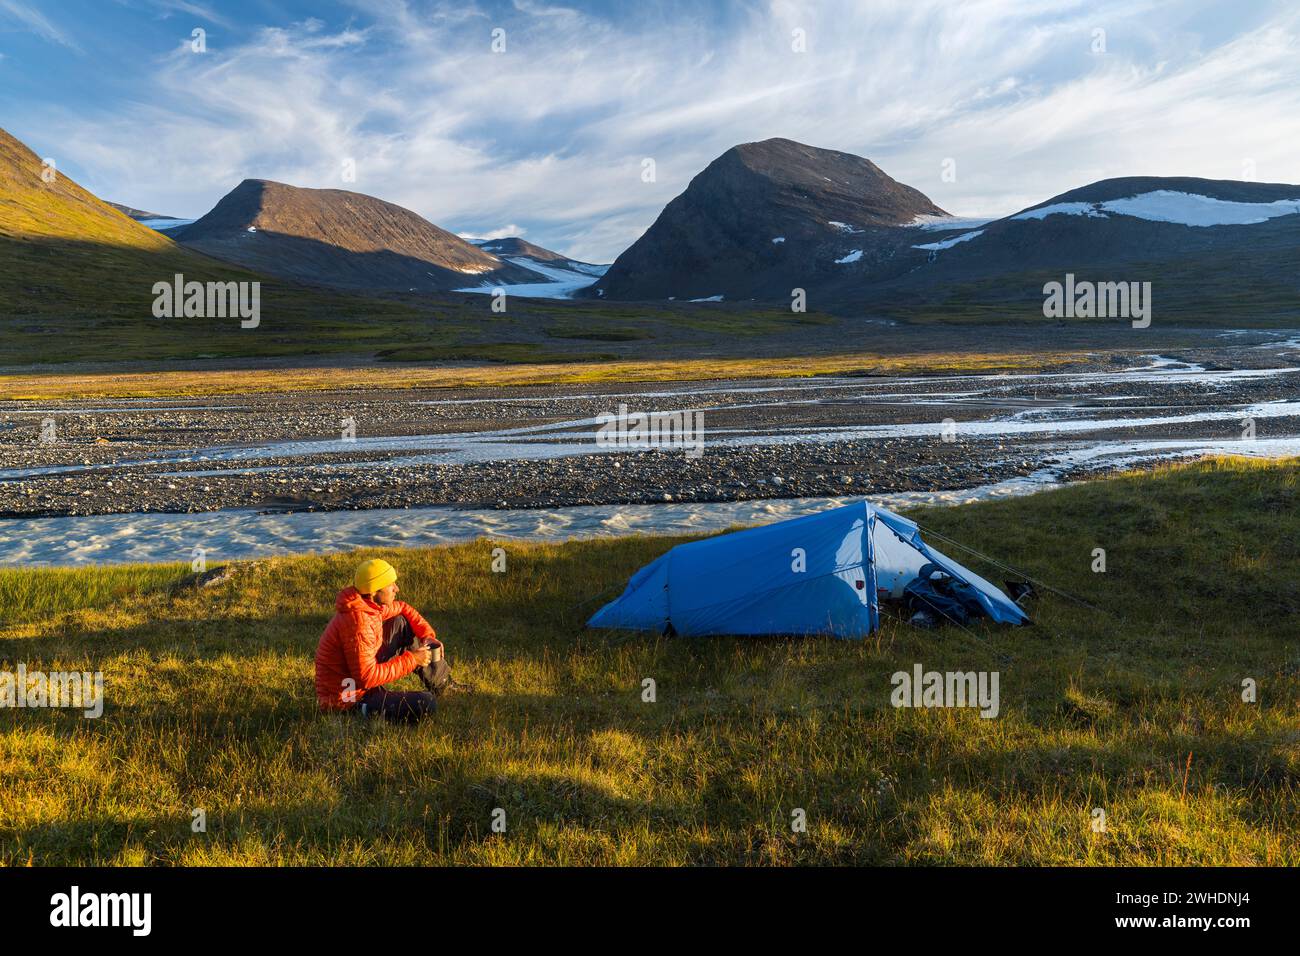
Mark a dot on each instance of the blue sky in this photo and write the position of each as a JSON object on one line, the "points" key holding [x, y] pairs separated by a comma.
{"points": [[547, 138]]}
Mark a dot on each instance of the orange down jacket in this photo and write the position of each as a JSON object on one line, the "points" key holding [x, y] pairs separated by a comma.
{"points": [[345, 658]]}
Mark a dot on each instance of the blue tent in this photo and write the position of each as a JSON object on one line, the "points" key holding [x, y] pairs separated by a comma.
{"points": [[821, 574]]}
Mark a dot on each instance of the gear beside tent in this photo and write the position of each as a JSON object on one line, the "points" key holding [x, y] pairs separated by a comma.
{"points": [[823, 574]]}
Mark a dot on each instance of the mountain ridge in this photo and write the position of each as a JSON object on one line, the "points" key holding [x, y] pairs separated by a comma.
{"points": [[721, 235], [339, 238], [893, 250]]}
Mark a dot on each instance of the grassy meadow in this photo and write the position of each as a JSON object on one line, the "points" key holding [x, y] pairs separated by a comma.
{"points": [[39, 386], [1137, 711]]}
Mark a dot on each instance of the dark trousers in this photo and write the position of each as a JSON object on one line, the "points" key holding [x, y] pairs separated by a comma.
{"points": [[402, 706]]}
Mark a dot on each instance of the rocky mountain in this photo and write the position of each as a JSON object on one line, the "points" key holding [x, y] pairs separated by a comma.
{"points": [[78, 281], [1209, 247], [555, 276], [338, 238], [766, 218], [1132, 219], [527, 254], [763, 218], [139, 215], [154, 220], [514, 246]]}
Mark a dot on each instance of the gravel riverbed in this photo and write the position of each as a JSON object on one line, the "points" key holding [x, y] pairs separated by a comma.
{"points": [[535, 447]]}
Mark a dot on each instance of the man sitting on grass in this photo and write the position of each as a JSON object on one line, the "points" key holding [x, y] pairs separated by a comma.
{"points": [[373, 640]]}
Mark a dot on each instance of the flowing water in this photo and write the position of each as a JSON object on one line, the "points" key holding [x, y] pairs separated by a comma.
{"points": [[1086, 406]]}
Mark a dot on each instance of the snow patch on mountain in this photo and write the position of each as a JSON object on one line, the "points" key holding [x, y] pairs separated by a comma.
{"points": [[853, 256], [1062, 209], [936, 223], [1191, 209], [162, 225], [949, 243], [1166, 205], [556, 282]]}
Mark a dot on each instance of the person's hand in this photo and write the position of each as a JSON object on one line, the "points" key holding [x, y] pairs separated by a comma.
{"points": [[423, 656]]}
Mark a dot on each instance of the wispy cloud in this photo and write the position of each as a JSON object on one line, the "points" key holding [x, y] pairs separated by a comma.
{"points": [[504, 232], [31, 19], [202, 11], [550, 135]]}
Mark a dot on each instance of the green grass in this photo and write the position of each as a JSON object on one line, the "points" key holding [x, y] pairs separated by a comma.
{"points": [[209, 705], [28, 594], [597, 334]]}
